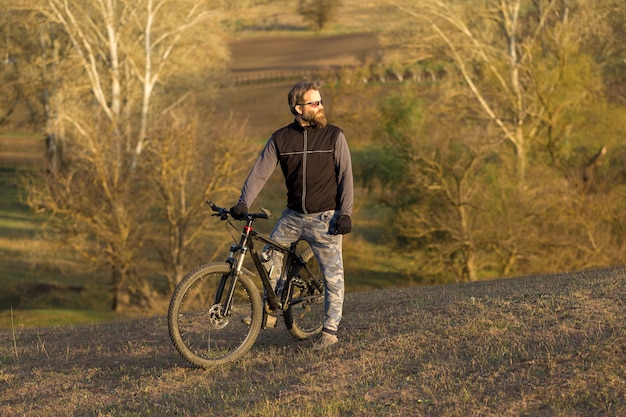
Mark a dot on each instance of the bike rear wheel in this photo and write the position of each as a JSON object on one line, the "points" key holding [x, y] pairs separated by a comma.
{"points": [[201, 331], [305, 313]]}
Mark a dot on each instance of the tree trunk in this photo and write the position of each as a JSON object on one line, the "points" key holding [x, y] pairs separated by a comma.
{"points": [[121, 296]]}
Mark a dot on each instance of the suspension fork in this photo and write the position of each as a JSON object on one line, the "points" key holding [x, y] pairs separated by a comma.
{"points": [[236, 262], [230, 277]]}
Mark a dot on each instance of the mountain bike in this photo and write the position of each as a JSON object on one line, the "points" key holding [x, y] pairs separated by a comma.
{"points": [[216, 311]]}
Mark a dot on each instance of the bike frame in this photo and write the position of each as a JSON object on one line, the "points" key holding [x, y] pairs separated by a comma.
{"points": [[208, 334], [246, 245]]}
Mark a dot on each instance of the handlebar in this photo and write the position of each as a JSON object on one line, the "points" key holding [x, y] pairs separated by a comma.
{"points": [[223, 213]]}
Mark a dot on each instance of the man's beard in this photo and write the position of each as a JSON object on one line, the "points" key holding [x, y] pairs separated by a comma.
{"points": [[316, 120]]}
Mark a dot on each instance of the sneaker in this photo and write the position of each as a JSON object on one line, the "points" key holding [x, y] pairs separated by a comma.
{"points": [[270, 320], [325, 340]]}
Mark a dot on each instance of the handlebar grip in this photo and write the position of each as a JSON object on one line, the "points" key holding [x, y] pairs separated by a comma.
{"points": [[224, 212]]}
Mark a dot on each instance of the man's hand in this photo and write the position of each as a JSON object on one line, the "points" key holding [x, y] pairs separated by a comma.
{"points": [[238, 210], [343, 225]]}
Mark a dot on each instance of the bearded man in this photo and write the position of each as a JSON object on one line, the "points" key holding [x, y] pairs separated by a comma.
{"points": [[315, 161]]}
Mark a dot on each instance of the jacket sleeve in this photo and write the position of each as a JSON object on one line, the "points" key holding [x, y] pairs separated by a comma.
{"points": [[345, 181], [260, 173]]}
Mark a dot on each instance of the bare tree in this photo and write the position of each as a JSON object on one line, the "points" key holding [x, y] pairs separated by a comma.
{"points": [[190, 162], [10, 90], [122, 51], [515, 57], [444, 224], [439, 186], [525, 66], [318, 12], [95, 212], [122, 43]]}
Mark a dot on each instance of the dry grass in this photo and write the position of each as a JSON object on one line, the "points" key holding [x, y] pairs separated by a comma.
{"points": [[529, 346]]}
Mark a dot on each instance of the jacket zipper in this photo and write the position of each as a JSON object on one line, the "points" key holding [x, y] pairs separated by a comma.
{"points": [[304, 173]]}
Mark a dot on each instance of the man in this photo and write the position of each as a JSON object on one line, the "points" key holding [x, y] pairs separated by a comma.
{"points": [[315, 160]]}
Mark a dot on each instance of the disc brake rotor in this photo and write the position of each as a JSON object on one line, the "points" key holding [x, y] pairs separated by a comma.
{"points": [[216, 317]]}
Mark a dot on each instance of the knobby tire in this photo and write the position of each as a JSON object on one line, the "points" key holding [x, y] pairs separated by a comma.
{"points": [[198, 332]]}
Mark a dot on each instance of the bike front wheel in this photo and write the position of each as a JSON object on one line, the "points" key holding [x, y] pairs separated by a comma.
{"points": [[305, 312], [202, 332]]}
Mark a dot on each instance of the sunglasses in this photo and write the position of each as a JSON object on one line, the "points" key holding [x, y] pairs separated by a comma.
{"points": [[311, 103]]}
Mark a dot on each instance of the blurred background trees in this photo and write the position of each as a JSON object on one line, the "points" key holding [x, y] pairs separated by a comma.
{"points": [[505, 149], [487, 138], [318, 12], [113, 79]]}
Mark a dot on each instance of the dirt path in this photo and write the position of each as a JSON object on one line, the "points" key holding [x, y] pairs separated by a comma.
{"points": [[295, 53]]}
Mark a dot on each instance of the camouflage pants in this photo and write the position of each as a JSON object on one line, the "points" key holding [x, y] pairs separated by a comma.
{"points": [[313, 228]]}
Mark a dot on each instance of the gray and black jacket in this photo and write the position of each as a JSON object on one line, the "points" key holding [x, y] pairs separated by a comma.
{"points": [[316, 165]]}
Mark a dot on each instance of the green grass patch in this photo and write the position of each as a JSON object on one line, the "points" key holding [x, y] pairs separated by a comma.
{"points": [[52, 317]]}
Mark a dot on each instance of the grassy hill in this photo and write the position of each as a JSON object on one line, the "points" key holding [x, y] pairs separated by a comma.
{"points": [[529, 346]]}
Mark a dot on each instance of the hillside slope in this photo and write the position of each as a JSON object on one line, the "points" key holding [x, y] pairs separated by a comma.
{"points": [[532, 346]]}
